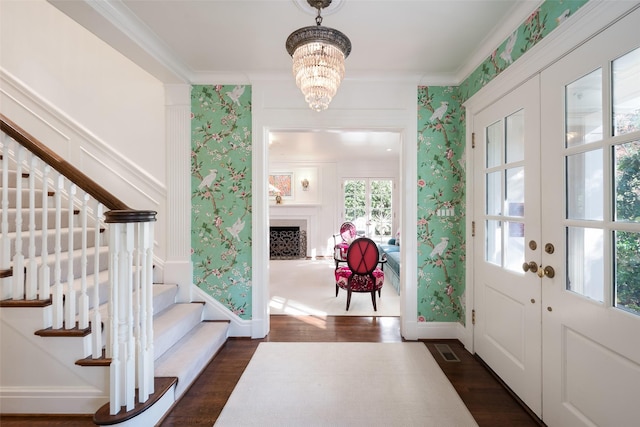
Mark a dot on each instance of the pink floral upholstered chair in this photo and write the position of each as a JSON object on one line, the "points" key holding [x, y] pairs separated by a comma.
{"points": [[342, 241], [362, 273]]}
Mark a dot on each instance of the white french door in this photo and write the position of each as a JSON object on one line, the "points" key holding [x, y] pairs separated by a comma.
{"points": [[368, 204], [557, 244], [591, 213], [506, 197]]}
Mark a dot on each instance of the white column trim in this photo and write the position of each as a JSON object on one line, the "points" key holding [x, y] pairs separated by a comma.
{"points": [[178, 266]]}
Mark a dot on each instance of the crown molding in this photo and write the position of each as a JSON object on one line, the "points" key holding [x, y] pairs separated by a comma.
{"points": [[519, 12], [122, 29], [591, 19]]}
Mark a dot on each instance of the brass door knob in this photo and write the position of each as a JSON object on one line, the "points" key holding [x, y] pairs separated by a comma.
{"points": [[546, 271], [530, 266]]}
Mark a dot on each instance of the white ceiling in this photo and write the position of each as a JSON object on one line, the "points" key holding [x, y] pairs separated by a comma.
{"points": [[202, 41], [332, 146]]}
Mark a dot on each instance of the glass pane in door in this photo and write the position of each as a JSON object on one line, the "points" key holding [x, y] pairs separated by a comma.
{"points": [[493, 244], [367, 203], [514, 192], [504, 192], [381, 214], [583, 101], [585, 262], [494, 193], [355, 207], [585, 186], [515, 136], [627, 266], [494, 144], [626, 93], [627, 179]]}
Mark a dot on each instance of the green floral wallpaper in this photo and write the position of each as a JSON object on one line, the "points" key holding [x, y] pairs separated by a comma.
{"points": [[221, 180], [441, 169], [538, 25], [221, 194], [441, 205]]}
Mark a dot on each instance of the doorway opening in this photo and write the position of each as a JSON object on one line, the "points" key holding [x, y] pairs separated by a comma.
{"points": [[318, 162]]}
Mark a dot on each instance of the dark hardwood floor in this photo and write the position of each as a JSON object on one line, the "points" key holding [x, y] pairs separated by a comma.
{"points": [[488, 401]]}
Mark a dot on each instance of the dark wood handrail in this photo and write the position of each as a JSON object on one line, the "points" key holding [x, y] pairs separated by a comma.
{"points": [[130, 216], [65, 168]]}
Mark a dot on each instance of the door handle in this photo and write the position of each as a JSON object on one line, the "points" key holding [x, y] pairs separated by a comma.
{"points": [[530, 266], [547, 271]]}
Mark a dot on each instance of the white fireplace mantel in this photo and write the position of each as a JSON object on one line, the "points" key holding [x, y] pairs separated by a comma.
{"points": [[298, 212]]}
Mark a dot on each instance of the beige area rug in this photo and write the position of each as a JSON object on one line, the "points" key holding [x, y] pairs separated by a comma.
{"points": [[344, 384], [308, 287]]}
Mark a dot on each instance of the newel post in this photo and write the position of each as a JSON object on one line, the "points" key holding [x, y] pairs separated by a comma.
{"points": [[130, 343]]}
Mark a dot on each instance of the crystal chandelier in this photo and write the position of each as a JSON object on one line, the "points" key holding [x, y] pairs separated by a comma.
{"points": [[318, 59]]}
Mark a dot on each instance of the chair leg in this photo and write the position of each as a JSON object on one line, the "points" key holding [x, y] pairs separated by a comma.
{"points": [[373, 299], [348, 298], [337, 289], [380, 293]]}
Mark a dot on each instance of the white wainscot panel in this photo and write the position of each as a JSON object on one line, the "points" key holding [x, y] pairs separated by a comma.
{"points": [[599, 385]]}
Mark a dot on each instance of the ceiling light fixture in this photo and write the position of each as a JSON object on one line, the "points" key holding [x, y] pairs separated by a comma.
{"points": [[318, 59]]}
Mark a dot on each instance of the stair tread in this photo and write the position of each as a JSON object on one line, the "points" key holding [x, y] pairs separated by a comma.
{"points": [[159, 290], [190, 355], [173, 323]]}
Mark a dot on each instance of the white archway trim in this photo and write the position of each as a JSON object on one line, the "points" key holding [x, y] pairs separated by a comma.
{"points": [[402, 120]]}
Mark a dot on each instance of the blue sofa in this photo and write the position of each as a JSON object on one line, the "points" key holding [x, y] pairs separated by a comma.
{"points": [[392, 266]]}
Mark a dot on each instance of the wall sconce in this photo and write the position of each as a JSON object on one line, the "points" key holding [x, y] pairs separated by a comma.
{"points": [[305, 184]]}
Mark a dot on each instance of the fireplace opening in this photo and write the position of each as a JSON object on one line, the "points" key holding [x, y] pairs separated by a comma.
{"points": [[287, 242]]}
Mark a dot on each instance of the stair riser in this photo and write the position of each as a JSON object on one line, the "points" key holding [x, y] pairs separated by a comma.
{"points": [[12, 196], [51, 241], [166, 337], [51, 217], [11, 178], [77, 265]]}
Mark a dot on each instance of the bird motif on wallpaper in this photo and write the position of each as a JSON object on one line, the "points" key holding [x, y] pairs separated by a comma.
{"points": [[236, 228], [462, 161], [563, 16], [440, 247], [508, 49], [235, 94], [439, 112], [208, 180]]}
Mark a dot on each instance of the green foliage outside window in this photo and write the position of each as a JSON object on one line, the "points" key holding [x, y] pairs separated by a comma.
{"points": [[355, 204], [627, 244]]}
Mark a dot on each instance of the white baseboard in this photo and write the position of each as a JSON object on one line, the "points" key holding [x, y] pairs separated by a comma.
{"points": [[55, 400], [214, 310], [439, 330]]}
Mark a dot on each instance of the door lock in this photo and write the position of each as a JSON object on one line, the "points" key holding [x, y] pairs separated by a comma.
{"points": [[547, 271]]}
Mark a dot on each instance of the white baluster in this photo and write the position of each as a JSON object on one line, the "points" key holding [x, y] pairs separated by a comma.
{"points": [[70, 299], [117, 391], [44, 274], [137, 312], [18, 257], [58, 317], [126, 295], [5, 242], [31, 289], [83, 301], [145, 356], [121, 243], [96, 322]]}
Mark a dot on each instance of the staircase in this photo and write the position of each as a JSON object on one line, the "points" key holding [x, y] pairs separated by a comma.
{"points": [[52, 357]]}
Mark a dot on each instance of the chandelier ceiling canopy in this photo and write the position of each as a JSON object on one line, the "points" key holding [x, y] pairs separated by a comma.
{"points": [[318, 59]]}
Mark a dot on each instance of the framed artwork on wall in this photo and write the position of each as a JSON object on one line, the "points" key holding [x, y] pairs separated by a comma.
{"points": [[281, 184]]}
